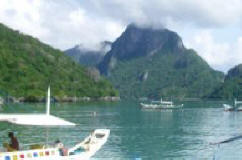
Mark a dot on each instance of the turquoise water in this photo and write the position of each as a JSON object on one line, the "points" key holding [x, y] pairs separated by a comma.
{"points": [[137, 133]]}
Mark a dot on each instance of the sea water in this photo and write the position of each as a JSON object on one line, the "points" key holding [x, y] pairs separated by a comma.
{"points": [[138, 134]]}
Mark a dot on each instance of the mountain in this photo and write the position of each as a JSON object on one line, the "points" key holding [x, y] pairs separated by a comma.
{"points": [[28, 66], [89, 57], [232, 86], [234, 73], [147, 62]]}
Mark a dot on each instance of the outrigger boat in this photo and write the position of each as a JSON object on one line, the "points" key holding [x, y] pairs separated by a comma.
{"points": [[81, 151], [161, 105], [236, 107]]}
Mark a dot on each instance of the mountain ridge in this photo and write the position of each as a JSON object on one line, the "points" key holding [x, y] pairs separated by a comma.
{"points": [[155, 38], [89, 57], [232, 86], [146, 62], [28, 66]]}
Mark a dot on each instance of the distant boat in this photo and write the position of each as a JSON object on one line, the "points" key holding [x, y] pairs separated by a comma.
{"points": [[161, 105], [82, 151], [237, 106], [228, 107]]}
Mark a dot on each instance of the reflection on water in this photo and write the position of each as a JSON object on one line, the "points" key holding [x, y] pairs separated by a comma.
{"points": [[147, 134]]}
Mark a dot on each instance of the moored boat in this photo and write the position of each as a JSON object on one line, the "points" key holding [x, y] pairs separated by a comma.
{"points": [[237, 106], [228, 107], [161, 105], [81, 151], [90, 145]]}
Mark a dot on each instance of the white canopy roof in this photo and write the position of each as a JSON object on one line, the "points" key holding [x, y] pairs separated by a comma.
{"points": [[34, 119]]}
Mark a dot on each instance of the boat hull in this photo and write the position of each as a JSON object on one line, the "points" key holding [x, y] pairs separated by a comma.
{"points": [[157, 106], [89, 147], [228, 108]]}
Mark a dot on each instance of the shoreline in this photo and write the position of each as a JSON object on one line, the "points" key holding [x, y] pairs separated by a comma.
{"points": [[59, 99]]}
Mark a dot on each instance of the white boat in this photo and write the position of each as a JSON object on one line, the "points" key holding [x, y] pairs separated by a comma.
{"points": [[81, 151], [161, 105], [90, 145], [236, 107], [228, 107]]}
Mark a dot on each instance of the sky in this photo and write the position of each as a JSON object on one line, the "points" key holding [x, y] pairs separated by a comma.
{"points": [[211, 27]]}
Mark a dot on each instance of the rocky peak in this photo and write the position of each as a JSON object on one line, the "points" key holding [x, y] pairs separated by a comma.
{"points": [[235, 72], [138, 41]]}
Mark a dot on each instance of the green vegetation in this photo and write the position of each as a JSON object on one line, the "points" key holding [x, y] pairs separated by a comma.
{"points": [[165, 74], [147, 62], [232, 86], [27, 66]]}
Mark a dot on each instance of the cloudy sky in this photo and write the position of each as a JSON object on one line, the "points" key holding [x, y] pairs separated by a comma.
{"points": [[211, 27]]}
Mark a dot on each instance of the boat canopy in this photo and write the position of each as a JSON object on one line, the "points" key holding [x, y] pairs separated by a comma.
{"points": [[34, 120], [163, 102], [237, 102]]}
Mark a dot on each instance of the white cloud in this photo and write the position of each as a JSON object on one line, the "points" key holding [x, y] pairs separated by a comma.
{"points": [[221, 56], [238, 51], [22, 15], [59, 23], [91, 30], [206, 13], [63, 23]]}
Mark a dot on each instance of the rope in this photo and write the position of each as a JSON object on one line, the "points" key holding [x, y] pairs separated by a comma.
{"points": [[228, 140]]}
